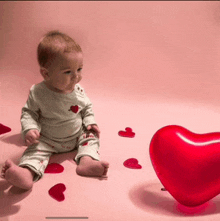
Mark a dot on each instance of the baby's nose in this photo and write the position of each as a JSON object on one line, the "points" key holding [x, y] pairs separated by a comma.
{"points": [[74, 75]]}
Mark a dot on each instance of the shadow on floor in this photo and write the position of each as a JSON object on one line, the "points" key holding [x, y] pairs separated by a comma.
{"points": [[9, 196], [150, 198], [61, 157], [15, 139]]}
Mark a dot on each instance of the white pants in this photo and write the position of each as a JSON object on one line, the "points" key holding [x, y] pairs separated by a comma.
{"points": [[36, 156]]}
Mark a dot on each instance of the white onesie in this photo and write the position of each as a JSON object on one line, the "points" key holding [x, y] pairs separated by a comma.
{"points": [[61, 120]]}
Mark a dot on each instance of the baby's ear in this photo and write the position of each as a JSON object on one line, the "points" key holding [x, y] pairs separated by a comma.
{"points": [[44, 73]]}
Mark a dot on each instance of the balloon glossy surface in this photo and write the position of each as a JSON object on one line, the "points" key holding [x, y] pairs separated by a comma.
{"points": [[187, 164]]}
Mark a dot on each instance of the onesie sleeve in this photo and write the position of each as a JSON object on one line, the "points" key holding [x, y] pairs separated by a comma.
{"points": [[87, 112], [30, 114]]}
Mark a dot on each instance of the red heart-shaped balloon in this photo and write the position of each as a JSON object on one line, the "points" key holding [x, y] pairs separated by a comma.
{"points": [[54, 168], [56, 192], [132, 163], [187, 164], [127, 133]]}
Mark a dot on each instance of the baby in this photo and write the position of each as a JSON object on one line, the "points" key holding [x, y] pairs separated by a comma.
{"points": [[57, 116]]}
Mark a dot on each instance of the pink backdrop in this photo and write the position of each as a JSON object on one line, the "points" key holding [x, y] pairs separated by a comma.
{"points": [[137, 49]]}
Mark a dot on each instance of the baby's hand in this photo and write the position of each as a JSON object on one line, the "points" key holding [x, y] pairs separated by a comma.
{"points": [[32, 137], [94, 128]]}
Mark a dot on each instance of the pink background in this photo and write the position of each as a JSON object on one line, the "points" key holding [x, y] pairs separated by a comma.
{"points": [[139, 49], [146, 65]]}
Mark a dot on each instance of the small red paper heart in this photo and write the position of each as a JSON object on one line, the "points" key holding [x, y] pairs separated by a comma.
{"points": [[187, 164], [127, 133], [132, 163], [4, 129], [54, 168], [56, 192], [74, 109]]}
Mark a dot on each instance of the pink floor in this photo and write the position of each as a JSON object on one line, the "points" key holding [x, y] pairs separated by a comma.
{"points": [[127, 194]]}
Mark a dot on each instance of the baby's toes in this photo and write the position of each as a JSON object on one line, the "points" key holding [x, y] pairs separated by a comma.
{"points": [[106, 166], [3, 173], [4, 168], [105, 172]]}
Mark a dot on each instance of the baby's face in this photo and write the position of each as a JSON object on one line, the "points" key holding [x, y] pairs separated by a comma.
{"points": [[65, 72]]}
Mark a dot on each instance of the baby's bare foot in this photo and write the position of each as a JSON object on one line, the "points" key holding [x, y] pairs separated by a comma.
{"points": [[17, 176], [4, 168], [93, 168]]}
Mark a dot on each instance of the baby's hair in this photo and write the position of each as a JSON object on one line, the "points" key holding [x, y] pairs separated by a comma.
{"points": [[52, 44]]}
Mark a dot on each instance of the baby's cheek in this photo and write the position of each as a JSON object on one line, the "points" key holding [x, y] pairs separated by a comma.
{"points": [[78, 78], [60, 83]]}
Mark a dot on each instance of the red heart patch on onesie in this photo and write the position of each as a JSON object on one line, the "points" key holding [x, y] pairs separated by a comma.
{"points": [[74, 109], [187, 164], [4, 129], [127, 133], [56, 192], [132, 163], [85, 144], [54, 168]]}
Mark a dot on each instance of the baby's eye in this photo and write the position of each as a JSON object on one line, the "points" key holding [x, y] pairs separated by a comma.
{"points": [[80, 69], [67, 72]]}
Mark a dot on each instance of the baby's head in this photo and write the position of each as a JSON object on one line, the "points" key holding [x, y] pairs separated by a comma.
{"points": [[61, 61]]}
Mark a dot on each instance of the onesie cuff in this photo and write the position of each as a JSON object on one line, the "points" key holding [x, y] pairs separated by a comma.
{"points": [[87, 121], [23, 133]]}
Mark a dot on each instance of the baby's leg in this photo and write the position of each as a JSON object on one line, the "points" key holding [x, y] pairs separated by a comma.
{"points": [[17, 176], [93, 168], [87, 157], [31, 167]]}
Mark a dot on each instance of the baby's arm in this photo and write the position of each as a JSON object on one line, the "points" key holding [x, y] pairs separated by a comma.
{"points": [[88, 117], [94, 128], [32, 137], [29, 119]]}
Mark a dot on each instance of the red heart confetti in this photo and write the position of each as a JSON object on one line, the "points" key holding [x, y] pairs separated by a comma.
{"points": [[4, 129], [127, 133], [74, 109], [54, 168], [132, 163], [56, 192]]}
